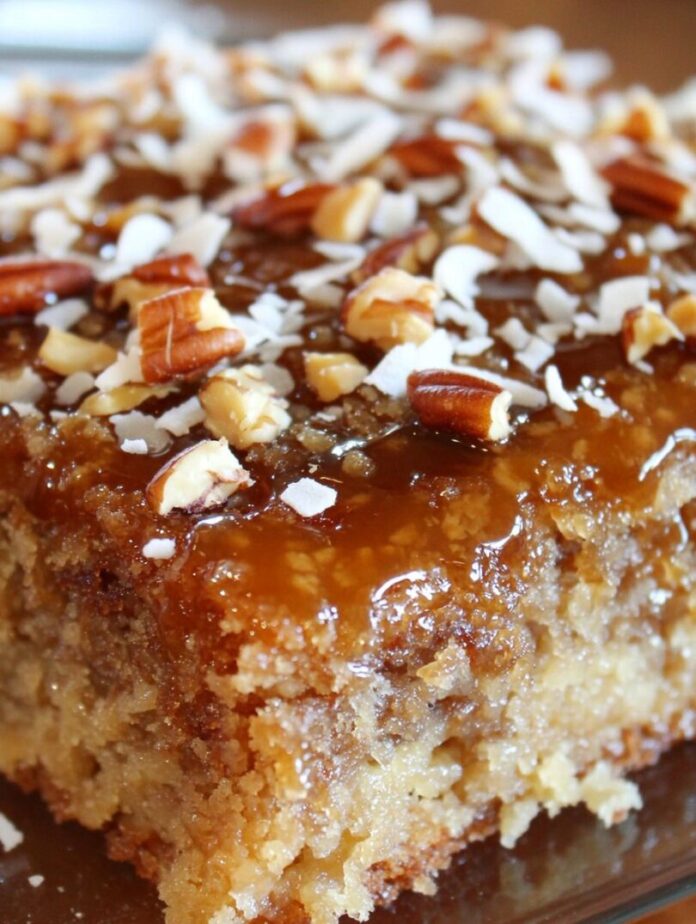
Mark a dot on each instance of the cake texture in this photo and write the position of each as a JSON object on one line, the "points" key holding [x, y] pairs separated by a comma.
{"points": [[348, 440]]}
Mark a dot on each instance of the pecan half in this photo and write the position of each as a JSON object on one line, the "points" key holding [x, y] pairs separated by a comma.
{"points": [[184, 332], [286, 210], [409, 252], [645, 188], [198, 478], [390, 308], [428, 156], [465, 404], [25, 286]]}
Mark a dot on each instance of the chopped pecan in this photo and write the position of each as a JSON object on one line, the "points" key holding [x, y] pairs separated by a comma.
{"points": [[645, 188], [682, 312], [243, 407], [345, 213], [409, 252], [331, 375], [198, 478], [645, 328], [465, 404], [152, 279], [121, 399], [390, 308], [184, 332], [25, 285], [286, 210], [428, 156], [65, 353]]}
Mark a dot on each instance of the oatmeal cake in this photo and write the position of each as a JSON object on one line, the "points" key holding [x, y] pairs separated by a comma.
{"points": [[348, 438]]}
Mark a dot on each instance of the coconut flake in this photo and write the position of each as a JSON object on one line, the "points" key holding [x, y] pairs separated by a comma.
{"points": [[579, 177], [10, 835], [522, 394], [556, 390], [136, 447], [309, 497], [26, 387], [556, 303], [535, 354], [159, 549], [142, 238], [458, 267], [125, 369], [63, 315], [510, 216], [74, 387], [54, 233], [469, 132], [35, 880], [395, 214], [514, 333], [138, 426], [664, 239], [181, 419], [390, 375], [604, 405], [617, 297], [202, 237], [361, 147]]}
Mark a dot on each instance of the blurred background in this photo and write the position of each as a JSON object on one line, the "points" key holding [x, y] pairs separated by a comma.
{"points": [[652, 40]]}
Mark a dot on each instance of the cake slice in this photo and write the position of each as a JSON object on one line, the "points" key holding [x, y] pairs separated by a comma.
{"points": [[348, 437]]}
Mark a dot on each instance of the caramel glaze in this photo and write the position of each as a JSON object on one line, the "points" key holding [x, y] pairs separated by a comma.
{"points": [[431, 537]]}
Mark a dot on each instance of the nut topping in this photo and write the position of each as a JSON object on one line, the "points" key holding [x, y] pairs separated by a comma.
{"points": [[184, 332], [152, 279], [645, 328], [121, 399], [286, 210], [24, 286], [66, 353], [428, 156], [198, 478], [682, 312], [243, 407], [645, 188], [344, 214], [390, 308], [456, 401], [409, 252], [331, 375]]}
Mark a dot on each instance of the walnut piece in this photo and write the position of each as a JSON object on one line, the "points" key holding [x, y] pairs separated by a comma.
{"points": [[465, 404], [241, 406], [331, 375], [198, 478], [390, 308], [65, 353], [183, 333]]}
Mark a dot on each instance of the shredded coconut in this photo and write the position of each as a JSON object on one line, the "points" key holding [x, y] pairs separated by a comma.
{"points": [[309, 497], [159, 549]]}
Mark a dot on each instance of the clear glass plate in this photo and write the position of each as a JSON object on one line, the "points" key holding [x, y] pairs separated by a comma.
{"points": [[564, 871]]}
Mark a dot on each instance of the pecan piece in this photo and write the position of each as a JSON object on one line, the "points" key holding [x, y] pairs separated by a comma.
{"points": [[390, 308], [200, 477], [152, 279], [286, 210], [465, 404], [331, 375], [428, 156], [345, 213], [25, 286], [645, 328], [184, 332], [409, 252], [645, 188], [243, 407], [682, 312]]}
